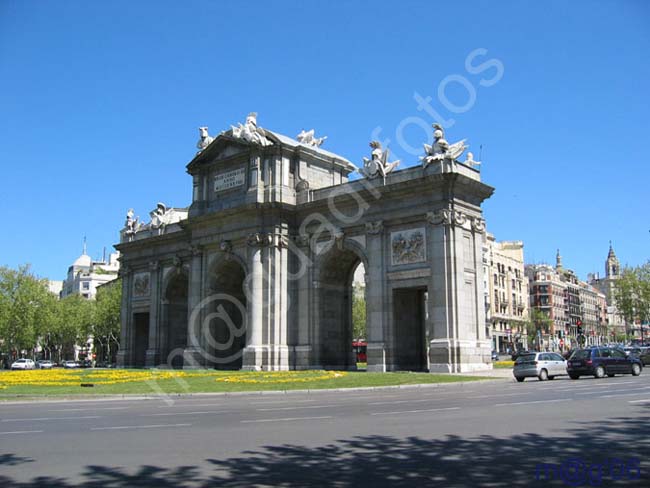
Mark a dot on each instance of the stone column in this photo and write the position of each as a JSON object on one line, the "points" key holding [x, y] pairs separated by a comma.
{"points": [[125, 352], [376, 297], [456, 346], [441, 294], [304, 277], [279, 284], [192, 356], [252, 360], [153, 352]]}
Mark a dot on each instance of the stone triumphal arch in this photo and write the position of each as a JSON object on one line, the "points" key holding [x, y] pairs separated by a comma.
{"points": [[256, 273]]}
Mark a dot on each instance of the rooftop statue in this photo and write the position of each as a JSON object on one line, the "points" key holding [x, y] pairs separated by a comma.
{"points": [[441, 149], [204, 139], [308, 139], [470, 160], [162, 216], [378, 164], [250, 131], [132, 225]]}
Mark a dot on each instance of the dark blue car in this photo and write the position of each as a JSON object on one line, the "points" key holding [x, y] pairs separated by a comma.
{"points": [[601, 361]]}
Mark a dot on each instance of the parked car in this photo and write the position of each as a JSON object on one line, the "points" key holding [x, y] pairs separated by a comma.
{"points": [[518, 353], [601, 361], [23, 364], [44, 364], [69, 364], [644, 356], [635, 351], [568, 354], [542, 365]]}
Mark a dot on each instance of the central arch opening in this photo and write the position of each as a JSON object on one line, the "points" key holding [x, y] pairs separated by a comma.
{"points": [[225, 333], [341, 298], [175, 310]]}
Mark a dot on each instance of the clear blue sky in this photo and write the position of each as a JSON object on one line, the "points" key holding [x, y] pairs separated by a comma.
{"points": [[100, 104]]}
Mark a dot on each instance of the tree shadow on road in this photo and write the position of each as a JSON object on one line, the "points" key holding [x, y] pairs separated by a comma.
{"points": [[378, 461]]}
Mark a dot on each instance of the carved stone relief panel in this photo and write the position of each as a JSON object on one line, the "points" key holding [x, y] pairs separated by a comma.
{"points": [[408, 246]]}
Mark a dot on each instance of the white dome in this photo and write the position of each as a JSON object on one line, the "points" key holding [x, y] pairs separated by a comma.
{"points": [[83, 260]]}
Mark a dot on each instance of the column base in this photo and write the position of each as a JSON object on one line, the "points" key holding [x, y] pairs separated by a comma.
{"points": [[193, 358], [266, 358], [376, 357], [152, 358], [449, 356], [123, 358], [302, 357]]}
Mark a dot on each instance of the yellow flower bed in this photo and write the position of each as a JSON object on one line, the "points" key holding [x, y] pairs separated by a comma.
{"points": [[504, 364], [281, 377], [65, 377]]}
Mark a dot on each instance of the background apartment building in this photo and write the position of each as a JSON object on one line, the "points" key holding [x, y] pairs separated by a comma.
{"points": [[567, 312], [506, 293]]}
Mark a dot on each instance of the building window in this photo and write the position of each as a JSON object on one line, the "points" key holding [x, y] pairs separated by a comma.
{"points": [[85, 285]]}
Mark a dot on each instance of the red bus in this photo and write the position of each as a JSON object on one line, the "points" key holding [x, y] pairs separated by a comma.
{"points": [[360, 348]]}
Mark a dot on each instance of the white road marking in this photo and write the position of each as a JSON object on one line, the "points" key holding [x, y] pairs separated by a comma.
{"points": [[154, 426], [645, 400], [533, 402], [625, 394], [497, 396], [192, 405], [275, 402], [396, 402], [86, 409], [182, 413], [288, 419], [614, 391], [417, 411], [22, 432], [272, 409], [51, 418]]}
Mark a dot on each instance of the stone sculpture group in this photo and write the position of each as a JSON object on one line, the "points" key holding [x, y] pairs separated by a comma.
{"points": [[375, 166]]}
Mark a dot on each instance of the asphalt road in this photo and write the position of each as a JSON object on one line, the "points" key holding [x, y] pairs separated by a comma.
{"points": [[501, 433]]}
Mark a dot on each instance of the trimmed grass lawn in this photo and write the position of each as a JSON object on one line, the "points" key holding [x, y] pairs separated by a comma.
{"points": [[145, 382]]}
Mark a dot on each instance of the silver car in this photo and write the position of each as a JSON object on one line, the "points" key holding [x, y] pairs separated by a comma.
{"points": [[542, 365]]}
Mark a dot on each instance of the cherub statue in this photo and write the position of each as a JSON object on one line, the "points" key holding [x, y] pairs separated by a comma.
{"points": [[378, 164], [204, 139], [307, 138], [441, 149], [250, 131], [470, 160]]}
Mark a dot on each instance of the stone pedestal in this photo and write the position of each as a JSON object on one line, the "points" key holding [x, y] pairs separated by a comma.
{"points": [[123, 358], [253, 358], [193, 358], [152, 358], [376, 353], [302, 357], [455, 356]]}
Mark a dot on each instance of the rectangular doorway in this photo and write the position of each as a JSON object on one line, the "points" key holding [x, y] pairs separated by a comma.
{"points": [[409, 341], [141, 343]]}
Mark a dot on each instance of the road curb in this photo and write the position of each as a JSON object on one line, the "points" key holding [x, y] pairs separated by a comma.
{"points": [[141, 397]]}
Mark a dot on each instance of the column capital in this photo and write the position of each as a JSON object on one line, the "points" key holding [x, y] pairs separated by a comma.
{"points": [[375, 227], [478, 225], [196, 250]]}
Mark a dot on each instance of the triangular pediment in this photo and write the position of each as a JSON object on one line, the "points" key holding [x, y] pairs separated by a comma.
{"points": [[222, 147]]}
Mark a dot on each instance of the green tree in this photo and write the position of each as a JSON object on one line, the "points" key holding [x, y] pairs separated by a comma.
{"points": [[74, 319], [537, 321], [106, 326], [26, 309], [358, 313], [632, 293]]}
